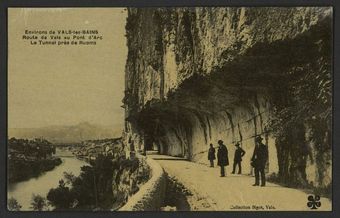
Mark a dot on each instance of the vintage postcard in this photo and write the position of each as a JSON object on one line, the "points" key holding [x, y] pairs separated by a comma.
{"points": [[170, 109]]}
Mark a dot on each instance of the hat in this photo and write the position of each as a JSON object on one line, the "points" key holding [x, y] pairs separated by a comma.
{"points": [[237, 144], [220, 142], [258, 138]]}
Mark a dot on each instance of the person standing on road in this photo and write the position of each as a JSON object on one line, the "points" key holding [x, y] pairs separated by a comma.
{"points": [[239, 153], [222, 157], [211, 155], [259, 160]]}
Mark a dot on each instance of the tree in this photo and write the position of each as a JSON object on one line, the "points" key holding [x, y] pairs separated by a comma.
{"points": [[91, 189], [69, 177], [61, 197], [38, 203], [302, 116], [13, 204]]}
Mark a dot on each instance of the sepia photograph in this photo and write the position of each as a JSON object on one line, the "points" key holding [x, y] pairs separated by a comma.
{"points": [[170, 109]]}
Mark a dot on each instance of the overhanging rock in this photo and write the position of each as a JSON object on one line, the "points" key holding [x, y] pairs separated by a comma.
{"points": [[197, 75]]}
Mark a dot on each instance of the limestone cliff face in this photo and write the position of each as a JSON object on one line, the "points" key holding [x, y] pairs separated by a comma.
{"points": [[197, 75]]}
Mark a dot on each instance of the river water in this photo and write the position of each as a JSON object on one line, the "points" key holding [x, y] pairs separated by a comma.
{"points": [[23, 191]]}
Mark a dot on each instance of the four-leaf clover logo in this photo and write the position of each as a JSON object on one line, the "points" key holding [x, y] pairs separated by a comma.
{"points": [[314, 201]]}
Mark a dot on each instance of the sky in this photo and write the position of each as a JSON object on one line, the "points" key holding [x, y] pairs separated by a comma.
{"points": [[66, 85]]}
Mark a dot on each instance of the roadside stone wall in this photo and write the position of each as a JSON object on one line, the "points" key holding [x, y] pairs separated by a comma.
{"points": [[151, 195]]}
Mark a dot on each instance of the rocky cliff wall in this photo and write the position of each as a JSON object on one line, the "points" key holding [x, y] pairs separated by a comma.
{"points": [[197, 75]]}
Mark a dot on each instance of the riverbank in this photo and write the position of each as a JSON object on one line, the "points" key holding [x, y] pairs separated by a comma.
{"points": [[23, 191], [24, 169], [29, 158]]}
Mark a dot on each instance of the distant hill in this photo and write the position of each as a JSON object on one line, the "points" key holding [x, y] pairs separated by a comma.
{"points": [[67, 134]]}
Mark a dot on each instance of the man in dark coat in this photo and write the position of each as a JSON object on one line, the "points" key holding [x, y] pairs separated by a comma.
{"points": [[222, 157], [259, 161], [211, 155], [239, 153]]}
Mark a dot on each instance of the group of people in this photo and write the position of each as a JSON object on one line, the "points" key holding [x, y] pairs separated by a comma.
{"points": [[258, 160]]}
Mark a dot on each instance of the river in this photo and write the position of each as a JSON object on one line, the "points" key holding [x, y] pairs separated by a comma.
{"points": [[23, 191]]}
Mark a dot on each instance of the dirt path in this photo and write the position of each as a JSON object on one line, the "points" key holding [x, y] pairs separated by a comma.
{"points": [[234, 192]]}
